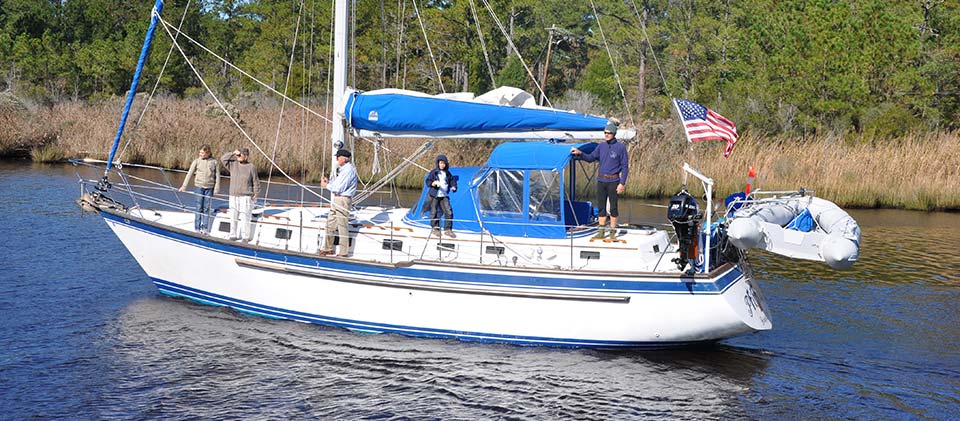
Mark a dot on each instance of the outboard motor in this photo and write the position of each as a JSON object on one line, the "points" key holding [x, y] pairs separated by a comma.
{"points": [[684, 213]]}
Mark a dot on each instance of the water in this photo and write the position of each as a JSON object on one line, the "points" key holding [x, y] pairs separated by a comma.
{"points": [[85, 335]]}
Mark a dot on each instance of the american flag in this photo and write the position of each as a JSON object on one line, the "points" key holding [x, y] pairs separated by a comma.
{"points": [[700, 123]]}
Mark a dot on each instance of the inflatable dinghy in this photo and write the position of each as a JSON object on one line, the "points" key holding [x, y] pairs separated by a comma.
{"points": [[797, 226]]}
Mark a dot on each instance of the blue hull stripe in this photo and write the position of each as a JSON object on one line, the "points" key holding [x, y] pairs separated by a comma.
{"points": [[177, 290], [444, 276]]}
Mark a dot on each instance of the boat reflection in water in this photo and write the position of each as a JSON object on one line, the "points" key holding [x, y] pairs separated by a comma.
{"points": [[210, 360]]}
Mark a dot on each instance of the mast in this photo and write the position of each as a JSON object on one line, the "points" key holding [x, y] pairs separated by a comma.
{"points": [[339, 79], [154, 16]]}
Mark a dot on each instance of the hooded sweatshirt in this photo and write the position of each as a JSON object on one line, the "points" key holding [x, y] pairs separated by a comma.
{"points": [[447, 183]]}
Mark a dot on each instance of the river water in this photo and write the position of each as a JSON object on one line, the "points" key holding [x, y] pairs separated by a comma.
{"points": [[85, 335]]}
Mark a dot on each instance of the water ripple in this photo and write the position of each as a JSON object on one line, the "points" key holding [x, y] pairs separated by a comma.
{"points": [[84, 335]]}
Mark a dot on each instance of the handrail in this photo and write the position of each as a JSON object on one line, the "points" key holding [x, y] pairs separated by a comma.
{"points": [[707, 184], [161, 194]]}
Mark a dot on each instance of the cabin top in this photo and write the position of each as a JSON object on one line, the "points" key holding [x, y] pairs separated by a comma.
{"points": [[526, 189]]}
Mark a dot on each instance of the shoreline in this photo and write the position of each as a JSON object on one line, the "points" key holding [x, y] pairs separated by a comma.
{"points": [[914, 172]]}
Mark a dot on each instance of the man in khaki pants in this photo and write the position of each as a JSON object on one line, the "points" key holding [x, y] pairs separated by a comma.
{"points": [[343, 187]]}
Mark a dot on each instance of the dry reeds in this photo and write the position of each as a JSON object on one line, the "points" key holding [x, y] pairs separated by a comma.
{"points": [[919, 171]]}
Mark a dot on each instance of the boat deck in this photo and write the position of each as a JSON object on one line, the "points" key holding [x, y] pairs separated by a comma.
{"points": [[381, 235]]}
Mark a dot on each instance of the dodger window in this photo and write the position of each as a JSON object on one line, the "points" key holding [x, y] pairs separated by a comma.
{"points": [[501, 194], [544, 195]]}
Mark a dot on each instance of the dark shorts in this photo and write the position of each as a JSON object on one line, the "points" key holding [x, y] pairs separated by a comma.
{"points": [[607, 190]]}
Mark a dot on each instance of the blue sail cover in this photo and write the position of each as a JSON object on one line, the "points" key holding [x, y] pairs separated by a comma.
{"points": [[399, 113], [519, 193]]}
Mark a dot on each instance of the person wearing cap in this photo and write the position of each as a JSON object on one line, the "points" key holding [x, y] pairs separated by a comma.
{"points": [[343, 187], [205, 171], [244, 187], [611, 176]]}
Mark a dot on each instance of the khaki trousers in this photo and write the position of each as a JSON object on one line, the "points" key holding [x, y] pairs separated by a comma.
{"points": [[338, 224]]}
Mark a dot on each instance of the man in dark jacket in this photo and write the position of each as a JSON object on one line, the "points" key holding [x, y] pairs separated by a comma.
{"points": [[441, 184], [611, 176]]}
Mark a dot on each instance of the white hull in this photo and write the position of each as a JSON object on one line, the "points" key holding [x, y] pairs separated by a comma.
{"points": [[531, 306]]}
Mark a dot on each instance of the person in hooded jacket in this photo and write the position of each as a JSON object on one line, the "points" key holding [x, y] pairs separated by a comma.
{"points": [[441, 183]]}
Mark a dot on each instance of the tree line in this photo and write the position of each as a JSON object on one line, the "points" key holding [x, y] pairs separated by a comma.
{"points": [[876, 68]]}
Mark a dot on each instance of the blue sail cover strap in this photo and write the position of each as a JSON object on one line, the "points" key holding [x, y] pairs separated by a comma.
{"points": [[154, 16], [399, 113]]}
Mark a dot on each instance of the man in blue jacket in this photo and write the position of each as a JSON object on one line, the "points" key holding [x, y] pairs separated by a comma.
{"points": [[611, 176], [441, 184]]}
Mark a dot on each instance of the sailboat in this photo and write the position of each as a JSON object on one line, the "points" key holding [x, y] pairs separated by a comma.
{"points": [[524, 267]]}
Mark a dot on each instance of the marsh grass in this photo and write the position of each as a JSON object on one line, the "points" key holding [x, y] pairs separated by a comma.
{"points": [[47, 153], [917, 171]]}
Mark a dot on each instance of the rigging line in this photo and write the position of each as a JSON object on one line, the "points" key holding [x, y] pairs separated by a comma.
{"points": [[169, 27], [404, 158], [354, 133], [306, 80], [383, 45], [643, 27], [514, 47], [429, 50], [400, 30], [390, 176], [352, 20], [286, 89], [155, 86], [329, 89], [232, 119], [613, 65], [328, 126], [483, 44]]}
